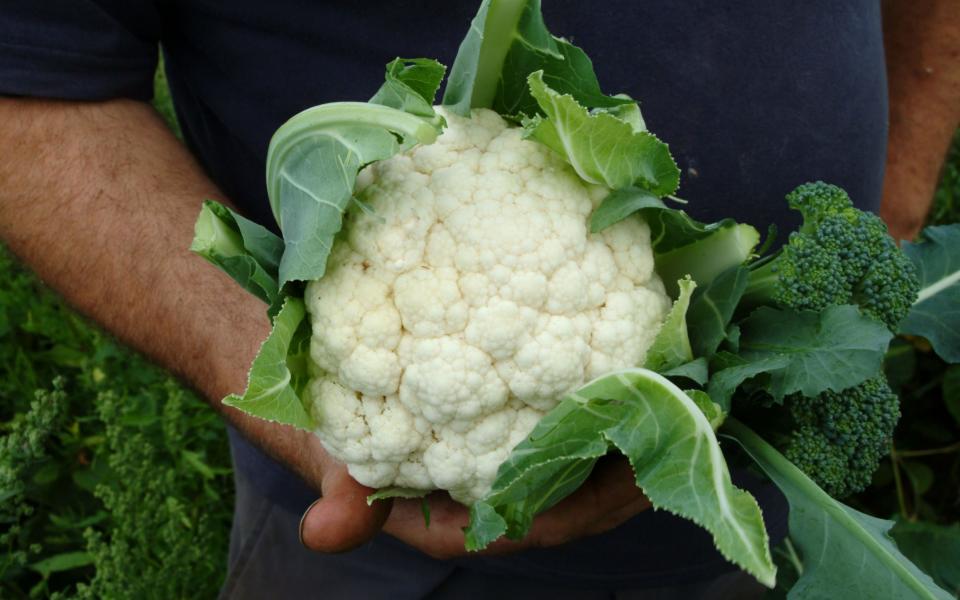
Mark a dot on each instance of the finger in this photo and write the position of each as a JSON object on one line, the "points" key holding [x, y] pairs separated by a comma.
{"points": [[618, 517], [609, 493], [609, 497], [614, 479], [341, 519], [443, 538], [620, 478]]}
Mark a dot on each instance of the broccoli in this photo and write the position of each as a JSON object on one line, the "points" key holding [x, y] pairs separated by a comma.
{"points": [[838, 438], [840, 255]]}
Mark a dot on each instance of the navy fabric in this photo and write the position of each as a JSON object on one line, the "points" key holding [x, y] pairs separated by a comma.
{"points": [[263, 542], [653, 549], [754, 97]]}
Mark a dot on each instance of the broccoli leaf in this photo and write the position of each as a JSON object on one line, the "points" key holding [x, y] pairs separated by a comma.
{"points": [[831, 350], [671, 347], [936, 313], [600, 147], [278, 377], [951, 391], [726, 380], [845, 553], [712, 309], [697, 370], [669, 442], [506, 42], [244, 250], [313, 160], [932, 547]]}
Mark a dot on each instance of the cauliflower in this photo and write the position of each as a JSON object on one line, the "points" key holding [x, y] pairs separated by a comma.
{"points": [[465, 303]]}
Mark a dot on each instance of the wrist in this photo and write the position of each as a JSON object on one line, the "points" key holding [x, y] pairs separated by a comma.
{"points": [[231, 348]]}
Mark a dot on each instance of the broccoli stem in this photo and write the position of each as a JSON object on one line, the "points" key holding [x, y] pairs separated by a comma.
{"points": [[761, 284], [704, 259]]}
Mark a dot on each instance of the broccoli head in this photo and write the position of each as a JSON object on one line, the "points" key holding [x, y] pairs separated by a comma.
{"points": [[840, 255], [838, 438]]}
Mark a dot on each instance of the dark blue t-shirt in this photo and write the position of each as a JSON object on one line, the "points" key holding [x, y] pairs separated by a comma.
{"points": [[754, 97]]}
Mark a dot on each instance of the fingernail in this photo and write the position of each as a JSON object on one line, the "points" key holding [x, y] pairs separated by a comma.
{"points": [[304, 518]]}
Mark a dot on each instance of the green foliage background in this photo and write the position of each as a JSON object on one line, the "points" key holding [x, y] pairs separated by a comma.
{"points": [[920, 482], [115, 480]]}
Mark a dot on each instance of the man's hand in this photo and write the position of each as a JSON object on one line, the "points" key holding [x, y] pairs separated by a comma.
{"points": [[341, 520], [922, 41]]}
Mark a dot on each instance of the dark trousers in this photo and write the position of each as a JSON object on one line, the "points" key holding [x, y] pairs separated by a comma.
{"points": [[267, 562]]}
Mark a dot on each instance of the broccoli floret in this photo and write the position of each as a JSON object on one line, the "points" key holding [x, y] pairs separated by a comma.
{"points": [[838, 438], [840, 255]]}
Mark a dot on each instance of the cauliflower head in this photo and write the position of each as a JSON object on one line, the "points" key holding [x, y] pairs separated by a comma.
{"points": [[465, 303]]}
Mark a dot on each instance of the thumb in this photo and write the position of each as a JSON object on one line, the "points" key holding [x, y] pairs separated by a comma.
{"points": [[341, 520]]}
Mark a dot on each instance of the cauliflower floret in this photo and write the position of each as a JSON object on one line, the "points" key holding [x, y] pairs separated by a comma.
{"points": [[429, 302], [447, 379], [466, 303]]}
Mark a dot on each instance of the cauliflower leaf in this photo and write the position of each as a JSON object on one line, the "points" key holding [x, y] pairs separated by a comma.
{"points": [[671, 347], [507, 41], [314, 158], [601, 148], [671, 445], [279, 374], [245, 250]]}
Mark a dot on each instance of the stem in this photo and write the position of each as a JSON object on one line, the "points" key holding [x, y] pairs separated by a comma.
{"points": [[707, 257], [499, 32], [938, 287], [922, 390], [761, 284], [954, 447], [476, 70], [773, 463], [213, 236], [898, 482], [793, 556]]}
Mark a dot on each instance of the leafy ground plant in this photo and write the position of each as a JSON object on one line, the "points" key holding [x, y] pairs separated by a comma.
{"points": [[112, 476]]}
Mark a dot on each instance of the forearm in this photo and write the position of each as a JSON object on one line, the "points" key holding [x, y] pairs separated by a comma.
{"points": [[99, 199], [922, 41]]}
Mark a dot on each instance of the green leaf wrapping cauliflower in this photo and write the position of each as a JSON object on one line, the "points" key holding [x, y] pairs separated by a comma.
{"points": [[465, 303]]}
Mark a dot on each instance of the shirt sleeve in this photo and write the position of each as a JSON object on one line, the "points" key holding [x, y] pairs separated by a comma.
{"points": [[78, 49]]}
